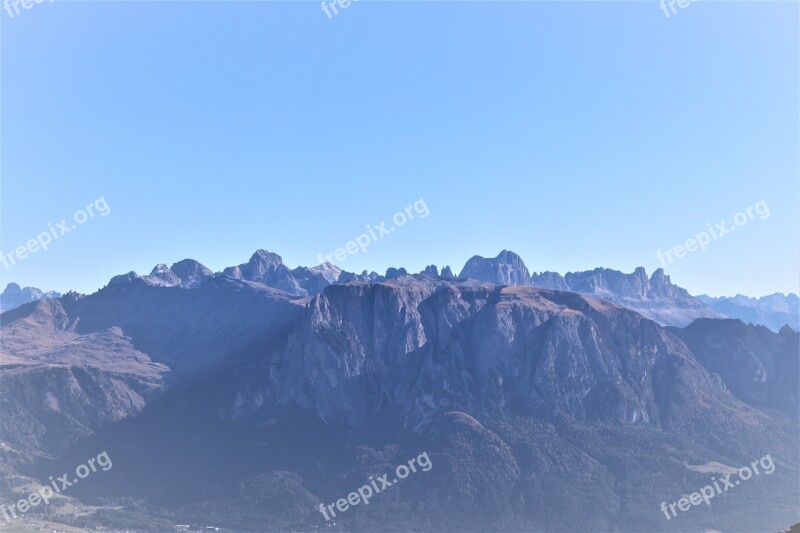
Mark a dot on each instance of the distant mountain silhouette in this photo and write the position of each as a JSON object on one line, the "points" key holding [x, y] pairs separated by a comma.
{"points": [[774, 311], [13, 296]]}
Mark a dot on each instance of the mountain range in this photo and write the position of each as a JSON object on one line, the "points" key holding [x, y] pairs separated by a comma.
{"points": [[774, 311], [244, 399], [655, 297]]}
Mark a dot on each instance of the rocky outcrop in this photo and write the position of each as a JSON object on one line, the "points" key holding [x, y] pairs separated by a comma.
{"points": [[506, 269]]}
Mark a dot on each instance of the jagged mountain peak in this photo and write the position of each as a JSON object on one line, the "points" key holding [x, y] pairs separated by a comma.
{"points": [[659, 275], [187, 266], [430, 270], [508, 256], [267, 268], [507, 268], [191, 273], [656, 297], [394, 273], [266, 257], [162, 275]]}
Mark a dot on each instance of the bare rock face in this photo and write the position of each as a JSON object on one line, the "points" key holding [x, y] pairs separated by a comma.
{"points": [[759, 367], [430, 270], [656, 298], [506, 269], [416, 348], [549, 280], [191, 273], [267, 268]]}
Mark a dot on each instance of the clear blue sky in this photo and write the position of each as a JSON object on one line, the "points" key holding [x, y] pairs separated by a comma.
{"points": [[576, 134]]}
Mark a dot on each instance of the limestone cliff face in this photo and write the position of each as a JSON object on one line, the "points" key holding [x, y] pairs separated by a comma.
{"points": [[421, 348], [506, 269]]}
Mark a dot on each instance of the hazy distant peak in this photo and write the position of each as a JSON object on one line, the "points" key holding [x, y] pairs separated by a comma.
{"points": [[12, 288], [328, 270], [14, 296], [774, 310], [191, 273]]}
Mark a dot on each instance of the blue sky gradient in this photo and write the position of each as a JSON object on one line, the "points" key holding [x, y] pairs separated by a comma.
{"points": [[576, 134]]}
